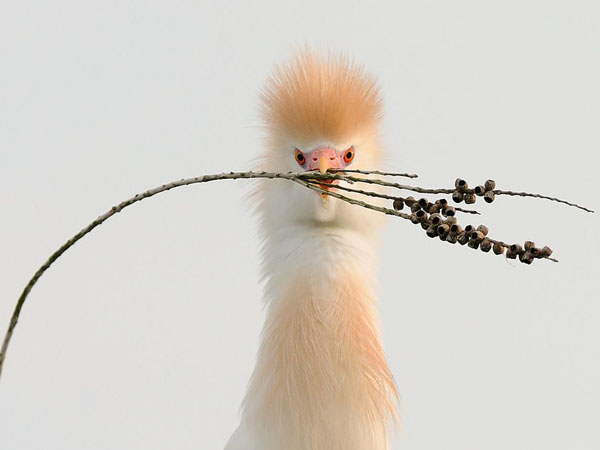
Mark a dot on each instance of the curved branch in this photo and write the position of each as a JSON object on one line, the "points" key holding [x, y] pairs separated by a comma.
{"points": [[107, 215], [306, 179]]}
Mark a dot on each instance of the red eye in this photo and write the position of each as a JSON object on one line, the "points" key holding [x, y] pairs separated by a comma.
{"points": [[300, 159], [349, 155]]}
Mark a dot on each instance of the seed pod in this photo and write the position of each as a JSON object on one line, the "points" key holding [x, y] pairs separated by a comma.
{"points": [[436, 219], [535, 252], [455, 229], [489, 196], [529, 245], [479, 190], [469, 229], [443, 229], [421, 216], [457, 196], [483, 229], [431, 231], [516, 248], [409, 201], [414, 218], [452, 238], [425, 224], [489, 185], [433, 208], [513, 251], [477, 236], [423, 203], [498, 248], [449, 211], [470, 198], [463, 238], [442, 202], [450, 220], [415, 207], [473, 244], [485, 245], [398, 204], [545, 252], [461, 185], [526, 257]]}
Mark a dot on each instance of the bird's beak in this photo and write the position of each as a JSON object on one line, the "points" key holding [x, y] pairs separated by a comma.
{"points": [[323, 164]]}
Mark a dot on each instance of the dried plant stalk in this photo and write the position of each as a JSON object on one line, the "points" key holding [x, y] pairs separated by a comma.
{"points": [[437, 218]]}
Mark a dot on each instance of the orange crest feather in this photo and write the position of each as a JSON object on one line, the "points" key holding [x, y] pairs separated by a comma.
{"points": [[317, 96]]}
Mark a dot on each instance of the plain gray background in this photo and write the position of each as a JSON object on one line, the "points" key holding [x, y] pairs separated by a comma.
{"points": [[143, 335]]}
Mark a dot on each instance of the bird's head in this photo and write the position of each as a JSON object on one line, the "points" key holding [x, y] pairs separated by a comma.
{"points": [[321, 113]]}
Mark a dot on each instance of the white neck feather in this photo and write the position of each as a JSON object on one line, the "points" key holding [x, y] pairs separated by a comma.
{"points": [[321, 381]]}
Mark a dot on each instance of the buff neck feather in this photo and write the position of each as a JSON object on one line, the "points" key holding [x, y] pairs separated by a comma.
{"points": [[321, 380]]}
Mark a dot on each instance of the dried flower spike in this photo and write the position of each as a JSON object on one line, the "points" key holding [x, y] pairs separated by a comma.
{"points": [[314, 181]]}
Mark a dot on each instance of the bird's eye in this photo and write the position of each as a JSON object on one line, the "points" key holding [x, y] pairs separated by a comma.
{"points": [[300, 159], [349, 155]]}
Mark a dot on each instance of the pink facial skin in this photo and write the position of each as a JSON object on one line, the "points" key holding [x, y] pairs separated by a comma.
{"points": [[332, 158]]}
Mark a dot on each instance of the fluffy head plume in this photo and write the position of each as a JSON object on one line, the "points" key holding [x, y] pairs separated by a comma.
{"points": [[320, 96]]}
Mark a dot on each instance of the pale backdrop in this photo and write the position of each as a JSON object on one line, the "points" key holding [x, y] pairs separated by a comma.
{"points": [[143, 336]]}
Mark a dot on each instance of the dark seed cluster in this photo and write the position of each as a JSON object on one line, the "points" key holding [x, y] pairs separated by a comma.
{"points": [[469, 196], [438, 219]]}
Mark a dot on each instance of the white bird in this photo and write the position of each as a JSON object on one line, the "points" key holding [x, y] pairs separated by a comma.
{"points": [[321, 380]]}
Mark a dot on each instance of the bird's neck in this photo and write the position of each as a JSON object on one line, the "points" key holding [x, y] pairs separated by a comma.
{"points": [[321, 380]]}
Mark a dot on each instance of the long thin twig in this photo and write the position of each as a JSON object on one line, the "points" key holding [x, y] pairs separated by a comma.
{"points": [[545, 197], [300, 178], [107, 215], [375, 172], [450, 191], [385, 196]]}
